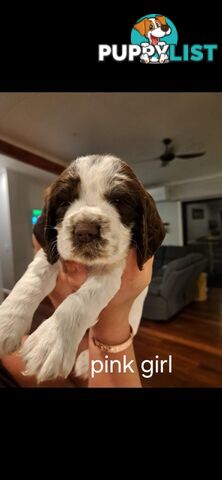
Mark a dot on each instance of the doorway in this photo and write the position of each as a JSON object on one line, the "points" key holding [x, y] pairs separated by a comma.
{"points": [[202, 228]]}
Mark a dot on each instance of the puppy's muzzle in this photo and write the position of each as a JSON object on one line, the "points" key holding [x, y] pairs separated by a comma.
{"points": [[86, 232]]}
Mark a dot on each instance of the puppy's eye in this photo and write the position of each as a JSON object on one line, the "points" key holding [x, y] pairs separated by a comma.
{"points": [[116, 201], [158, 24], [151, 27], [64, 204]]}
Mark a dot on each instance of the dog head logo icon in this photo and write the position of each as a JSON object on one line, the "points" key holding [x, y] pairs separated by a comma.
{"points": [[154, 33]]}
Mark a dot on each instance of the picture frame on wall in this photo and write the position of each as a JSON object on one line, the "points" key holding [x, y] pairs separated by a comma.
{"points": [[197, 213]]}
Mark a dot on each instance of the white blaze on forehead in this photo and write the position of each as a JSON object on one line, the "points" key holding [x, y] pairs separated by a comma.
{"points": [[96, 174], [153, 22]]}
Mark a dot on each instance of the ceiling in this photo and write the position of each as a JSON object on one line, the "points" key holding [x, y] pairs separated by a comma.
{"points": [[131, 125]]}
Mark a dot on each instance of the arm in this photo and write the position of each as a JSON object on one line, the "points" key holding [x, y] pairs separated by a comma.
{"points": [[69, 279], [108, 330], [18, 308], [113, 326], [51, 350]]}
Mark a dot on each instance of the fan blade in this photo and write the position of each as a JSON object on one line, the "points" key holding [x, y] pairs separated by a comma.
{"points": [[191, 155]]}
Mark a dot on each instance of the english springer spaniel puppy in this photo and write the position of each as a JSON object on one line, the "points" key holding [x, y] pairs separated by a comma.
{"points": [[93, 213]]}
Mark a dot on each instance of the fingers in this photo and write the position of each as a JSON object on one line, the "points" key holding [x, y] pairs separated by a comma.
{"points": [[134, 280], [71, 268], [75, 273], [148, 270], [36, 245]]}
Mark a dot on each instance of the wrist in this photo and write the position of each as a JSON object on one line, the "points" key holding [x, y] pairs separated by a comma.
{"points": [[113, 335]]}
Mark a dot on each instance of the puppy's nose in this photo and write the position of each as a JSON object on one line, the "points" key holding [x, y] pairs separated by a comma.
{"points": [[164, 28], [86, 232]]}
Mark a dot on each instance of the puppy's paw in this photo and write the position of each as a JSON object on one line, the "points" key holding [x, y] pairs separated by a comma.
{"points": [[164, 58], [81, 368], [144, 58], [47, 354], [12, 328]]}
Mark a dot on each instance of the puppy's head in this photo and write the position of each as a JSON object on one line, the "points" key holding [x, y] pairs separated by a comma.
{"points": [[95, 210], [153, 28]]}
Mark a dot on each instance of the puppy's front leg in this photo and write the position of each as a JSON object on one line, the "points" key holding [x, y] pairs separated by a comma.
{"points": [[17, 310], [51, 350]]}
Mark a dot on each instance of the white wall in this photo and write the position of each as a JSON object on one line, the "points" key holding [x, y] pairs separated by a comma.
{"points": [[196, 189], [171, 213], [25, 194], [21, 190], [1, 284], [6, 249]]}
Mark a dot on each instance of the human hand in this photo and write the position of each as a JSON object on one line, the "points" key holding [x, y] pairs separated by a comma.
{"points": [[72, 275], [133, 282], [113, 324]]}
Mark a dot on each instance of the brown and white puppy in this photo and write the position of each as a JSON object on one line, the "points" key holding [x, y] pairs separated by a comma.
{"points": [[154, 29], [93, 213]]}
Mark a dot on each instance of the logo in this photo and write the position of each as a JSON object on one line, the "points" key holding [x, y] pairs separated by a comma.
{"points": [[154, 40], [155, 34]]}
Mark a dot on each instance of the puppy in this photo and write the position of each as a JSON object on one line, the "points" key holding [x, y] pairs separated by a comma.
{"points": [[154, 29], [93, 213]]}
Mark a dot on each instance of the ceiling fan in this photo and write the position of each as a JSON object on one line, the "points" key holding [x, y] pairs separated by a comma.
{"points": [[170, 154]]}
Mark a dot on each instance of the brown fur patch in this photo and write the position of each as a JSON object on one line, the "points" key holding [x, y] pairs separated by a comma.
{"points": [[161, 19], [58, 197], [144, 26], [137, 208]]}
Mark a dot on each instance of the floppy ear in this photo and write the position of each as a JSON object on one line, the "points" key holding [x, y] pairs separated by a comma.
{"points": [[44, 229], [57, 199], [150, 231], [161, 19], [141, 27], [50, 233], [39, 228]]}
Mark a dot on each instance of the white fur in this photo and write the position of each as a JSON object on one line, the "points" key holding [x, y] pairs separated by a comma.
{"points": [[17, 310], [51, 350], [81, 368], [95, 179]]}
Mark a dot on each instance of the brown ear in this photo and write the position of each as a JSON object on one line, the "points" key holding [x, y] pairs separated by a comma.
{"points": [[150, 231], [141, 27], [50, 214], [161, 19], [44, 229], [57, 199]]}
